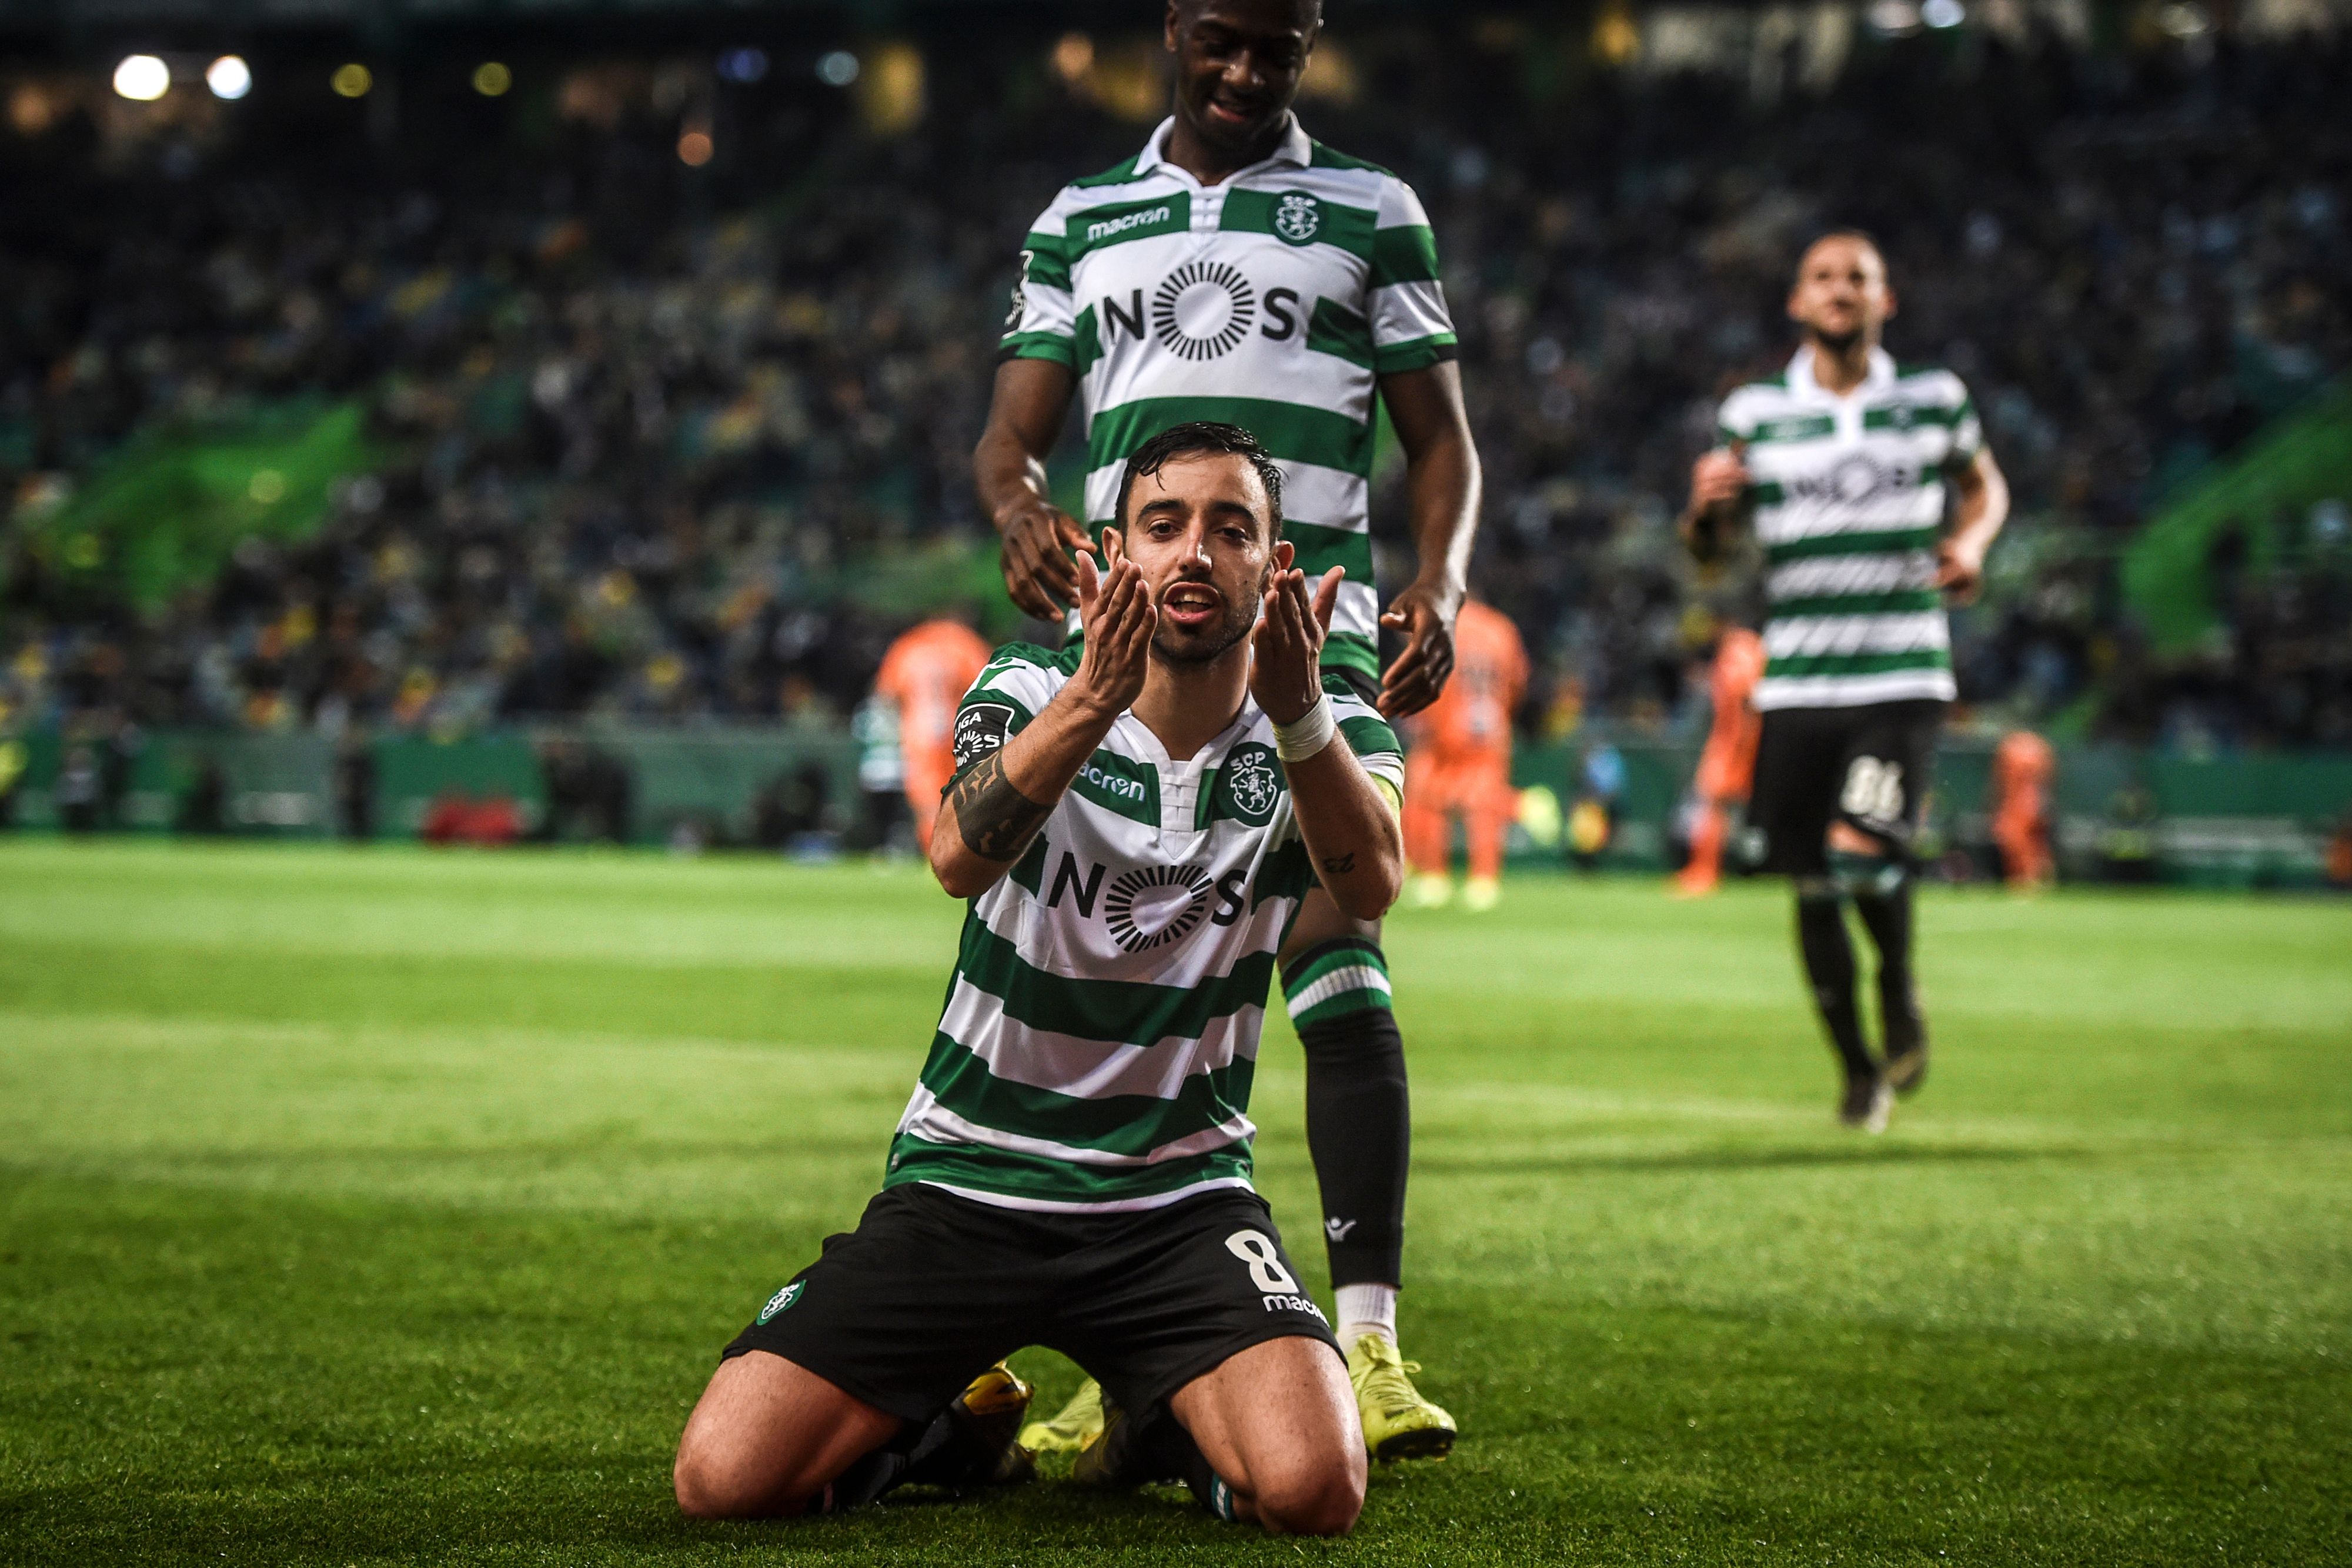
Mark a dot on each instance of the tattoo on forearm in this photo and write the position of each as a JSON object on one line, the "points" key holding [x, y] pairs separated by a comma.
{"points": [[1340, 865], [996, 819]]}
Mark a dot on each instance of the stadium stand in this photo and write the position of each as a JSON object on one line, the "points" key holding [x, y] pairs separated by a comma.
{"points": [[640, 438]]}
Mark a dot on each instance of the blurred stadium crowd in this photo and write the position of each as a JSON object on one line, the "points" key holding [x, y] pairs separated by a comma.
{"points": [[653, 427]]}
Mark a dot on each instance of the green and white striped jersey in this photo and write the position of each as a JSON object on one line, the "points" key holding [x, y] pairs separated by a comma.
{"points": [[1099, 1036], [1848, 499], [1273, 301]]}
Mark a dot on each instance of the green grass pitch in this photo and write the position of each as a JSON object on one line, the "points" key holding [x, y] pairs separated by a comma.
{"points": [[363, 1207]]}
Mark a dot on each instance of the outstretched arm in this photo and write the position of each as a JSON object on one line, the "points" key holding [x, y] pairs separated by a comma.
{"points": [[1008, 467], [997, 804], [1442, 483], [1351, 834]]}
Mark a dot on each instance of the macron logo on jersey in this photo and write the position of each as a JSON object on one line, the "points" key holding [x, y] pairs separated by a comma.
{"points": [[1106, 227], [1111, 783]]}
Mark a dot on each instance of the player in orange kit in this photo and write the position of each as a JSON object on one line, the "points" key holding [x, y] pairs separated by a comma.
{"points": [[1728, 766], [925, 673], [2022, 769], [1461, 760]]}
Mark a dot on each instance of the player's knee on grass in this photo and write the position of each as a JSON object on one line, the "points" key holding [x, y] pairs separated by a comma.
{"points": [[1279, 1422], [767, 1438]]}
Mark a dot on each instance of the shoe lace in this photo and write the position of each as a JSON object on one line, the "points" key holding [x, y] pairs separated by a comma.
{"points": [[1386, 1375]]}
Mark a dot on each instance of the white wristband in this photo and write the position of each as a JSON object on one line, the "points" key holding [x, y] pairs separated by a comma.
{"points": [[1312, 731]]}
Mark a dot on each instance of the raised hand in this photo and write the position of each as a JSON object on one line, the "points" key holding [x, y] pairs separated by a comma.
{"points": [[1718, 480], [1414, 680], [1287, 645], [1119, 618], [1039, 572]]}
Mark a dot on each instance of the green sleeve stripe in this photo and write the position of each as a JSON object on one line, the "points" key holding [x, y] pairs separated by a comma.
{"points": [[1319, 549], [1036, 1176], [1038, 346], [1789, 667], [1368, 735], [1765, 493], [1327, 158], [1406, 254], [1883, 542], [1117, 1012], [1130, 1124], [1291, 431], [1340, 332], [1119, 174], [1416, 353], [1346, 651], [1048, 264], [1902, 602]]}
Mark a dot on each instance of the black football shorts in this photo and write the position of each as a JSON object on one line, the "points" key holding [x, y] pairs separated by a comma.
{"points": [[1868, 765], [932, 1287]]}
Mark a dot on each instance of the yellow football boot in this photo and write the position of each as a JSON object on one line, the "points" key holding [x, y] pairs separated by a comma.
{"points": [[1080, 1423], [1399, 1424]]}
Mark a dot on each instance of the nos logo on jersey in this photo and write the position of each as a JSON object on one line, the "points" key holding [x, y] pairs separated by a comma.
{"points": [[1298, 217], [1251, 784]]}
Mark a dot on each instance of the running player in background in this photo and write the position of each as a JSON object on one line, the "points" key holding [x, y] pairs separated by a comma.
{"points": [[924, 676], [1238, 270], [2022, 766], [1846, 466], [1726, 768], [1461, 761]]}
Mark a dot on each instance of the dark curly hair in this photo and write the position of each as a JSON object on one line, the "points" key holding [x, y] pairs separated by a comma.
{"points": [[1202, 435]]}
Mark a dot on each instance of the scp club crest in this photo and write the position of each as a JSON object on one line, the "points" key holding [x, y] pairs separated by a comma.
{"points": [[1298, 217], [1252, 783]]}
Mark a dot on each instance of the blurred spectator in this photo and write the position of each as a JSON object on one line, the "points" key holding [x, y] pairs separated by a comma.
{"points": [[354, 786], [653, 429]]}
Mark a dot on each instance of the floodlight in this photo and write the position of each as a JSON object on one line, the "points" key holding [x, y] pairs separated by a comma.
{"points": [[838, 68], [1942, 14], [743, 65], [352, 80], [493, 79], [142, 78], [229, 76]]}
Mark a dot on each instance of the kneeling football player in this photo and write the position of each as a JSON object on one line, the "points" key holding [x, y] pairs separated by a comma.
{"points": [[1135, 820]]}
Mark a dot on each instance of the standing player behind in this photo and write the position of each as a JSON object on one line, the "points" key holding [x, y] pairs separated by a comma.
{"points": [[1135, 824], [1726, 766], [1461, 761], [1842, 464], [927, 670], [1237, 271]]}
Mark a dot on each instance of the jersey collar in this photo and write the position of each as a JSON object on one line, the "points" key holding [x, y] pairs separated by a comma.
{"points": [[1881, 375], [1296, 148]]}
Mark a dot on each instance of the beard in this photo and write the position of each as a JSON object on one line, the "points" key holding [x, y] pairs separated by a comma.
{"points": [[1838, 342], [1210, 642]]}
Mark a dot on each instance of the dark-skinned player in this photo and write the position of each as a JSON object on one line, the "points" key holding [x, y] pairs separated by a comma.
{"points": [[1236, 270]]}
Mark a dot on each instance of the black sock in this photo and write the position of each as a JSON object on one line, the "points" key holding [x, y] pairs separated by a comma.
{"points": [[1887, 917], [1207, 1487], [1359, 1132], [1829, 965], [864, 1479]]}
